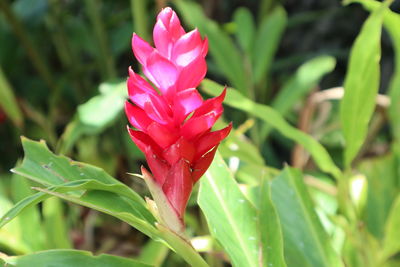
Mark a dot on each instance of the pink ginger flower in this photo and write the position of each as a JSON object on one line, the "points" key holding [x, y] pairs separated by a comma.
{"points": [[173, 123]]}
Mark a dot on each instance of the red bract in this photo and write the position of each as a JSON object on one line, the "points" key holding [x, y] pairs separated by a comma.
{"points": [[173, 124]]}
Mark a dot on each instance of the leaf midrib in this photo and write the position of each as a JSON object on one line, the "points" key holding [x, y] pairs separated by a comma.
{"points": [[309, 221], [228, 215]]}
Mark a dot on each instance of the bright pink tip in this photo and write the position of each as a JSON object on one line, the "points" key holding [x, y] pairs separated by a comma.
{"points": [[141, 49], [173, 123], [137, 117]]}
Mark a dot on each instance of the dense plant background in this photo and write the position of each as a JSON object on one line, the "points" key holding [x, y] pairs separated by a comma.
{"points": [[63, 67]]}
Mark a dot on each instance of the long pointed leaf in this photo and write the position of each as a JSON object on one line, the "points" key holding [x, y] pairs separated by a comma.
{"points": [[230, 216], [76, 258], [270, 229], [272, 117], [361, 85], [305, 241]]}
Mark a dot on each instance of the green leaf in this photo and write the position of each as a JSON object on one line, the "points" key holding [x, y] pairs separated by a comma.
{"points": [[391, 244], [76, 258], [61, 173], [32, 232], [89, 186], [245, 28], [391, 22], [96, 114], [237, 145], [250, 173], [266, 43], [182, 247], [305, 241], [304, 80], [8, 103], [270, 229], [102, 109], [382, 177], [110, 199], [114, 205], [154, 253], [361, 85], [222, 49], [11, 237], [272, 117], [55, 224], [230, 216]]}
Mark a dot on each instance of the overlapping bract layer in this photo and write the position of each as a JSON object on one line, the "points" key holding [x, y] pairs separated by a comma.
{"points": [[174, 124]]}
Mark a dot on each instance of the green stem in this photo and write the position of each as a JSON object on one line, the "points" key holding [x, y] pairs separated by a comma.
{"points": [[182, 247], [104, 58]]}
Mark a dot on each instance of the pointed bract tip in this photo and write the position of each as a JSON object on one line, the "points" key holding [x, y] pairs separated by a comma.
{"points": [[145, 172]]}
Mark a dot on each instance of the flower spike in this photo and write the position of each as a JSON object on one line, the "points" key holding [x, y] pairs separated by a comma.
{"points": [[173, 123]]}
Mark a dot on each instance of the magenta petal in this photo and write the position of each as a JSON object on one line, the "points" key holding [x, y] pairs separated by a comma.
{"points": [[195, 127], [171, 22], [163, 73], [187, 48], [165, 15], [192, 74], [139, 90], [178, 186], [158, 110], [201, 165], [162, 39], [210, 140], [161, 135], [182, 149], [137, 117], [185, 102], [204, 49], [141, 49]]}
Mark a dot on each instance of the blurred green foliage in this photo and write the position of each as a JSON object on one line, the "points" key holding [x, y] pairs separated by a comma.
{"points": [[309, 176]]}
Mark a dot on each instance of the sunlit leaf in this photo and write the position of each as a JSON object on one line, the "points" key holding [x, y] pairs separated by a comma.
{"points": [[56, 227], [361, 85], [273, 118], [266, 43], [63, 174], [381, 174], [153, 253], [391, 22], [245, 28], [391, 243], [96, 114], [76, 258], [270, 229], [305, 241], [32, 233], [296, 88], [231, 217]]}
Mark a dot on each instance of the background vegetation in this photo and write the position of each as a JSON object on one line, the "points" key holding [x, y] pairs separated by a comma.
{"points": [[63, 67]]}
